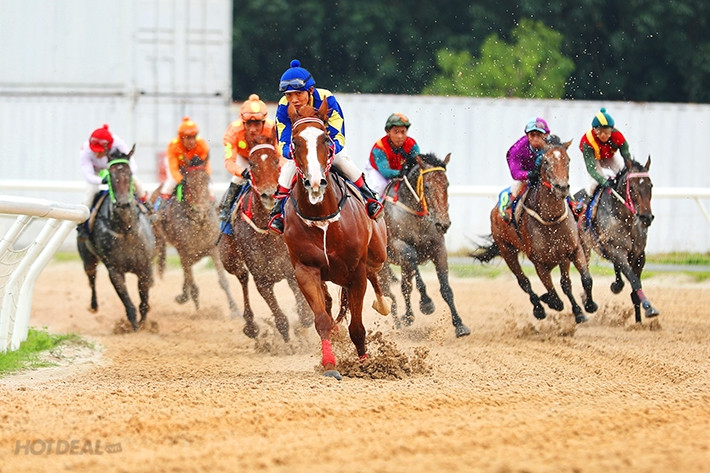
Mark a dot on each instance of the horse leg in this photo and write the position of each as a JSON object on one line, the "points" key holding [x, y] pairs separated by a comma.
{"points": [[618, 283], [408, 266], [223, 282], [638, 264], [385, 276], [551, 298], [250, 329], [356, 296], [426, 305], [91, 262], [145, 282], [510, 255], [381, 304], [266, 290], [313, 290], [189, 288], [637, 295], [566, 284], [118, 279], [441, 263], [344, 304], [580, 261], [305, 316]]}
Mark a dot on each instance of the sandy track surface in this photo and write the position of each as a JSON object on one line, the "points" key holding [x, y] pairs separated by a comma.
{"points": [[518, 395]]}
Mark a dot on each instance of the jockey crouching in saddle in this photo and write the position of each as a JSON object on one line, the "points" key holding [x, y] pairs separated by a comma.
{"points": [[93, 158], [598, 146], [390, 153], [524, 159], [181, 149], [237, 138], [298, 87]]}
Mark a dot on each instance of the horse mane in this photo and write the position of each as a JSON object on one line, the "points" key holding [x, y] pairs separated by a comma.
{"points": [[553, 140], [428, 158]]}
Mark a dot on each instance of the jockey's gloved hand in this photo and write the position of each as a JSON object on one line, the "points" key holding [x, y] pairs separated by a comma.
{"points": [[534, 175], [246, 174], [607, 184]]}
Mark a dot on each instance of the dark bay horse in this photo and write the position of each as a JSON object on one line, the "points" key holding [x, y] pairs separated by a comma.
{"points": [[251, 248], [616, 226], [121, 237], [545, 230], [417, 217], [189, 223], [329, 235]]}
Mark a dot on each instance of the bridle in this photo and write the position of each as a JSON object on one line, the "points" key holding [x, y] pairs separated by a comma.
{"points": [[419, 194], [331, 145]]}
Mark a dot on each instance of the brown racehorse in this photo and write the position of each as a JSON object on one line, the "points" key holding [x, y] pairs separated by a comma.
{"points": [[617, 229], [190, 224], [329, 235], [417, 216], [251, 248], [546, 231]]}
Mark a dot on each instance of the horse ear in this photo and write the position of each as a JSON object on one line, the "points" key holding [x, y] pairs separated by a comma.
{"points": [[274, 138], [133, 148], [648, 163], [447, 159], [292, 113], [566, 144], [323, 111]]}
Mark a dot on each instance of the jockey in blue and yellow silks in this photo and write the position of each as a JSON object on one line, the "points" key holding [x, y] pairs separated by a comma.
{"points": [[298, 87]]}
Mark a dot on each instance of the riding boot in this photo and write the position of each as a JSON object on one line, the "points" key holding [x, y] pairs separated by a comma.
{"points": [[225, 208], [374, 207], [581, 201], [276, 219]]}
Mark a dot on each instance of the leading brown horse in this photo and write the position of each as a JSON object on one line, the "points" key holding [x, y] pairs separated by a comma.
{"points": [[546, 231], [329, 235], [250, 248]]}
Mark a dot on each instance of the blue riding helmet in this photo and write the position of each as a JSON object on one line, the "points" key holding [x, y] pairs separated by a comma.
{"points": [[537, 124], [296, 78]]}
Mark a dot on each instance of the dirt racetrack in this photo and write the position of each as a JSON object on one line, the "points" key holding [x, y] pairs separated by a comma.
{"points": [[519, 395]]}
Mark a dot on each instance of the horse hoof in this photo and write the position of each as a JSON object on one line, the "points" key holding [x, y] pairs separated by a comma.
{"points": [[251, 330], [539, 312], [581, 318], [181, 299], [616, 286], [333, 374], [462, 331], [408, 320], [427, 308], [590, 306], [363, 357], [651, 312]]}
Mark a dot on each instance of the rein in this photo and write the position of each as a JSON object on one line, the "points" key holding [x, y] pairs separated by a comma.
{"points": [[629, 202], [419, 194], [106, 174]]}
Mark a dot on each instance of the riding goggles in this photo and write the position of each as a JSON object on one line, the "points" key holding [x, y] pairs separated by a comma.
{"points": [[293, 84]]}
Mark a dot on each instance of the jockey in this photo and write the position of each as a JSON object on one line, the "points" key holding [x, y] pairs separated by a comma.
{"points": [[181, 150], [524, 162], [298, 87], [239, 134], [93, 157], [598, 146], [390, 153]]}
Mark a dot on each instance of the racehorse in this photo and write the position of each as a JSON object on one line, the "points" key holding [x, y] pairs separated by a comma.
{"points": [[545, 230], [616, 226], [417, 217], [121, 237], [189, 223], [329, 235], [251, 248]]}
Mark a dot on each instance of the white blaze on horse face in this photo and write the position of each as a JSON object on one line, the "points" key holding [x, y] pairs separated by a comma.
{"points": [[314, 172]]}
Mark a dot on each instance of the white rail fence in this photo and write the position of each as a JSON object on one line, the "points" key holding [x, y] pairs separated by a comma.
{"points": [[19, 268]]}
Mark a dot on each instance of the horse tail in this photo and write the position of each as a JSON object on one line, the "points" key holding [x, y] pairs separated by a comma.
{"points": [[486, 252]]}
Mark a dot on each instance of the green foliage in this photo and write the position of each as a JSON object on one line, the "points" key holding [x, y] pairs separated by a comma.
{"points": [[635, 50], [27, 356], [530, 67]]}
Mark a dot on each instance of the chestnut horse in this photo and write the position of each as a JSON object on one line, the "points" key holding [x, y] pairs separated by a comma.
{"points": [[546, 231], [417, 216], [329, 235], [189, 222], [617, 228], [250, 248], [122, 238]]}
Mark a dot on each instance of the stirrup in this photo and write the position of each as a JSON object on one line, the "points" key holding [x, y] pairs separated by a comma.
{"points": [[276, 224], [374, 208]]}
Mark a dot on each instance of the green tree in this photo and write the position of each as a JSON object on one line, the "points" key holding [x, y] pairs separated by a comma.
{"points": [[530, 67]]}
